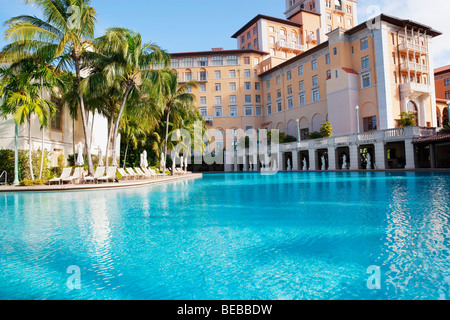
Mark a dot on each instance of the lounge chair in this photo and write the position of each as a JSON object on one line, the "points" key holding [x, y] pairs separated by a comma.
{"points": [[64, 175], [149, 173], [125, 176], [179, 171], [77, 175], [132, 173], [110, 175], [155, 173], [99, 172], [140, 172]]}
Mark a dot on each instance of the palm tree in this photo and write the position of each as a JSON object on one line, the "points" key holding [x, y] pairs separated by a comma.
{"points": [[130, 65], [176, 100], [22, 98], [59, 36]]}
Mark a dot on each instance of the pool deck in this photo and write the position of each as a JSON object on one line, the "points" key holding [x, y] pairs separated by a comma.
{"points": [[100, 186]]}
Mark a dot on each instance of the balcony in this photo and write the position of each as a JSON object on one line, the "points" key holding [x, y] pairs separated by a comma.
{"points": [[414, 66], [290, 46], [409, 45], [312, 38], [415, 87]]}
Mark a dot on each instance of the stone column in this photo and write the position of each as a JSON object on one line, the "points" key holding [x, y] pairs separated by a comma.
{"points": [[331, 159], [236, 167], [312, 159], [245, 162], [380, 155], [354, 157], [409, 155], [295, 163]]}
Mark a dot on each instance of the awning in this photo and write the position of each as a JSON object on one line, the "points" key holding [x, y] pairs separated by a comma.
{"points": [[434, 139]]}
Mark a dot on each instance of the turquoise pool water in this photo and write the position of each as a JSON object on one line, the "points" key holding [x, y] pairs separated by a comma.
{"points": [[234, 236]]}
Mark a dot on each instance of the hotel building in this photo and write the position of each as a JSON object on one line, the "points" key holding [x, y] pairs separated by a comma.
{"points": [[319, 65]]}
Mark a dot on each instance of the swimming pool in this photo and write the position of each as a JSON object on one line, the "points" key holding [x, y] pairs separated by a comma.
{"points": [[233, 236]]}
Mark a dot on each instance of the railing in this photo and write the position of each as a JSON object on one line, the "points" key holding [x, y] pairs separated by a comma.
{"points": [[339, 140], [6, 178], [397, 132], [366, 136], [412, 46], [289, 45], [414, 66]]}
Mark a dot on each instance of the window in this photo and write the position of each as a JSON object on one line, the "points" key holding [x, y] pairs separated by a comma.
{"points": [[257, 98], [447, 82], [203, 100], [278, 80], [278, 94], [269, 109], [314, 64], [365, 79], [255, 61], [258, 111], [289, 75], [329, 28], [349, 22], [233, 111], [268, 84], [248, 98], [271, 29], [246, 60], [218, 111], [315, 95], [269, 97], [255, 43], [365, 62], [232, 74], [188, 89], [202, 62], [327, 58], [370, 123], [188, 76], [204, 112], [339, 19], [279, 106], [283, 54], [242, 39], [328, 74], [272, 52], [257, 86], [232, 86], [232, 60], [247, 73], [203, 88], [255, 30], [249, 35], [315, 81], [248, 110], [328, 16], [272, 40], [301, 99], [300, 70], [56, 121], [289, 90], [393, 58], [301, 86], [447, 94], [175, 63], [203, 76], [304, 134], [248, 86], [334, 51], [218, 87], [217, 61], [364, 44], [188, 62], [217, 74], [290, 104], [232, 99], [218, 100]]}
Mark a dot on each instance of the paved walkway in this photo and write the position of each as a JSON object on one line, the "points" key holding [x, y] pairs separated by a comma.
{"points": [[100, 186]]}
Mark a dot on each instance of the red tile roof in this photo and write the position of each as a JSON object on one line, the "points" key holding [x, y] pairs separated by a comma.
{"points": [[349, 70], [434, 139]]}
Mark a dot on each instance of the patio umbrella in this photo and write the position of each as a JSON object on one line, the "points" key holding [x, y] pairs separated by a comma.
{"points": [[185, 163], [142, 161], [100, 157], [145, 162], [80, 159]]}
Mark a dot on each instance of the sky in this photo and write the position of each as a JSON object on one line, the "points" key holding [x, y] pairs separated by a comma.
{"points": [[199, 25]]}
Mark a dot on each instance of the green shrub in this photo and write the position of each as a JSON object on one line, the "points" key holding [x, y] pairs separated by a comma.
{"points": [[26, 183], [407, 119], [315, 135]]}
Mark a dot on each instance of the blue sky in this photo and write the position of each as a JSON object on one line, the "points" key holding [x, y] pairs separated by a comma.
{"points": [[196, 25]]}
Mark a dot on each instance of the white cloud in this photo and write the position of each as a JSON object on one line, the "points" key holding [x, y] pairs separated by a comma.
{"points": [[433, 14]]}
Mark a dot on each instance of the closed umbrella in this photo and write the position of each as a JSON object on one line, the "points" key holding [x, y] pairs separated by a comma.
{"points": [[142, 160], [80, 159], [100, 157], [145, 162]]}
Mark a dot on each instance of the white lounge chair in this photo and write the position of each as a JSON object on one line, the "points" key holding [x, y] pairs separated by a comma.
{"points": [[110, 175], [155, 173], [125, 176], [149, 173], [132, 173], [99, 172], [142, 173], [179, 171], [64, 175], [77, 175]]}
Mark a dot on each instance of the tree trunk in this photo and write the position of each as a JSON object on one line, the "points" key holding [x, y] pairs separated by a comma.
{"points": [[108, 141], [92, 126], [42, 154], [83, 119], [117, 125], [73, 138], [166, 139], [30, 160], [126, 151]]}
